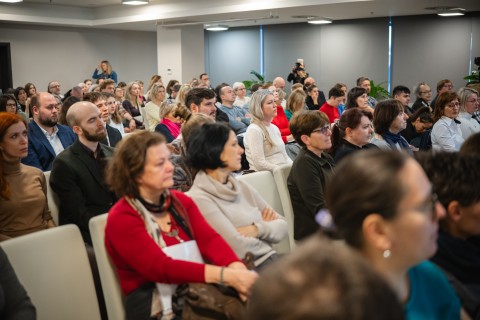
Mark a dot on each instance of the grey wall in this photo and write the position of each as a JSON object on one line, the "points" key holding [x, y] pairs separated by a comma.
{"points": [[69, 55], [431, 48], [229, 56]]}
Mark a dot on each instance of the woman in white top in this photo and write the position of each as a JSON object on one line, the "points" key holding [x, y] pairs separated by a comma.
{"points": [[446, 133], [242, 99], [156, 95], [468, 105], [263, 142]]}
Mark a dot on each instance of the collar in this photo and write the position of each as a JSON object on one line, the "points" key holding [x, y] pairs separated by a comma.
{"points": [[95, 155], [55, 131]]}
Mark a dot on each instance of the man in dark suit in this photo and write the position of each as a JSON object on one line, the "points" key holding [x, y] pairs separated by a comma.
{"points": [[78, 172], [46, 138], [99, 99]]}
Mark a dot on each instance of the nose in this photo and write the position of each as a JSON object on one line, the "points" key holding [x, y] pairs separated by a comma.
{"points": [[170, 166], [405, 116], [440, 211], [24, 139]]}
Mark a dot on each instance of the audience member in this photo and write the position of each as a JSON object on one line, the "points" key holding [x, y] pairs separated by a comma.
{"points": [[468, 106], [148, 218], [295, 102], [156, 95], [169, 88], [456, 181], [351, 133], [169, 124], [358, 98], [314, 99], [343, 87], [264, 147], [107, 85], [88, 83], [204, 81], [241, 98], [9, 104], [424, 96], [238, 118], [310, 171], [322, 281], [471, 145], [382, 205], [402, 94], [233, 208], [280, 120], [67, 103], [115, 118], [298, 74], [77, 173], [182, 93], [330, 107], [446, 133], [418, 129], [23, 189], [444, 85], [105, 71], [389, 119], [21, 96], [365, 83], [46, 138], [30, 89], [132, 104], [155, 79]]}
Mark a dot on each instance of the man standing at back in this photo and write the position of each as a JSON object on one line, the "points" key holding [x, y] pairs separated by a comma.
{"points": [[77, 173], [46, 138]]}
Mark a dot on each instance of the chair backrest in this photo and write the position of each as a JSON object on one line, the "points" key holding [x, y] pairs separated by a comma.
{"points": [[145, 119], [52, 199], [53, 267], [264, 184], [108, 276], [280, 174]]}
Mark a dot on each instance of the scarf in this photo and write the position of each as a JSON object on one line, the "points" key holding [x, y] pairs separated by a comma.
{"points": [[173, 127], [392, 139]]}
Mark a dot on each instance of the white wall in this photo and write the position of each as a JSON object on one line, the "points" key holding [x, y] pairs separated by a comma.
{"points": [[69, 55]]}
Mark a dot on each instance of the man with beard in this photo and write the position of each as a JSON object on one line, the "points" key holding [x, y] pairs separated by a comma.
{"points": [[46, 138], [77, 173]]}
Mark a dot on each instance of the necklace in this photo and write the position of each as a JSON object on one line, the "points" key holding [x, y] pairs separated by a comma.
{"points": [[173, 234]]}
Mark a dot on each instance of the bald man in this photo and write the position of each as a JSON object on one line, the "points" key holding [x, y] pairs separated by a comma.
{"points": [[279, 83], [78, 171]]}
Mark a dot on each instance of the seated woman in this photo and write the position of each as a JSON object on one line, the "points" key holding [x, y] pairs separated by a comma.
{"points": [[358, 98], [468, 106], [231, 207], [388, 120], [446, 133], [9, 104], [148, 218], [383, 206], [21, 96], [310, 171], [295, 102], [418, 130], [314, 101], [264, 147], [115, 119], [132, 104], [23, 189], [456, 181], [353, 132], [172, 115], [156, 95]]}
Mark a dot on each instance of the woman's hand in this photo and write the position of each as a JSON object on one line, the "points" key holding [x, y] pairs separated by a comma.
{"points": [[241, 280], [290, 138], [268, 214], [132, 126], [248, 231]]}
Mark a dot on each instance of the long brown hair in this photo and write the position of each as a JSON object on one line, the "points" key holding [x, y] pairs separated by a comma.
{"points": [[6, 121]]}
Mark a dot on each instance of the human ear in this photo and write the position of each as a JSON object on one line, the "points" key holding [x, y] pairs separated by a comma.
{"points": [[376, 232], [454, 211]]}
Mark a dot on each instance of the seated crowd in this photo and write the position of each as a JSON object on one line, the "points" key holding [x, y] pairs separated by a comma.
{"points": [[164, 165]]}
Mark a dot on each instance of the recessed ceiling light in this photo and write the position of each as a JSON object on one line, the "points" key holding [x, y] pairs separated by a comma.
{"points": [[134, 2], [11, 1], [320, 21], [216, 27], [451, 13]]}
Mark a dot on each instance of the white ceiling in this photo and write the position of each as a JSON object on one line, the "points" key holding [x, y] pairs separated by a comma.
{"points": [[111, 14]]}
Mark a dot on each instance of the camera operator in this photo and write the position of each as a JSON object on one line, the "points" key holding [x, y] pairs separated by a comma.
{"points": [[298, 74]]}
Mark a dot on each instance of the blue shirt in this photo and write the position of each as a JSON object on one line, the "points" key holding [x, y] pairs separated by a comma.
{"points": [[431, 297]]}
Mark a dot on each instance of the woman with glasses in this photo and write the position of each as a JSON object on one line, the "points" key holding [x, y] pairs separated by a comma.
{"points": [[241, 98], [231, 207], [446, 133], [263, 142], [468, 106], [418, 130], [310, 171], [383, 206], [9, 104]]}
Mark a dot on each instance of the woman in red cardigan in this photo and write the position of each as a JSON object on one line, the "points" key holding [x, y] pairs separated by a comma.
{"points": [[148, 218]]}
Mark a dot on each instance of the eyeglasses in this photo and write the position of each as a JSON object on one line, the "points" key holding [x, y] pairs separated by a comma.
{"points": [[11, 105], [472, 101], [324, 129], [453, 105], [430, 206]]}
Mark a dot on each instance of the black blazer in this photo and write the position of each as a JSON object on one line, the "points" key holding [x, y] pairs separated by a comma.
{"points": [[80, 187], [113, 135]]}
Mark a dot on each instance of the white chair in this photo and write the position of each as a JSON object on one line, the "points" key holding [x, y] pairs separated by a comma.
{"points": [[108, 277], [280, 175], [53, 267], [52, 199], [264, 184], [144, 119]]}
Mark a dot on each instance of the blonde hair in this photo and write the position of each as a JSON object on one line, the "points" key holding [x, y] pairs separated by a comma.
{"points": [[182, 93], [137, 102], [296, 99], [256, 103]]}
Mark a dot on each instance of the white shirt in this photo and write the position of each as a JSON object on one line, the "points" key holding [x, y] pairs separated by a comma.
{"points": [[446, 135], [53, 139], [468, 125]]}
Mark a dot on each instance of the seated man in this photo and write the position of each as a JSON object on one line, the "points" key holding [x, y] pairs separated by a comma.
{"points": [[238, 118], [456, 181], [402, 94], [77, 173], [46, 138]]}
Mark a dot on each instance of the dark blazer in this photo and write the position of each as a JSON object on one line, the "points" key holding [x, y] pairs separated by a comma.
{"points": [[80, 187], [114, 136], [40, 151]]}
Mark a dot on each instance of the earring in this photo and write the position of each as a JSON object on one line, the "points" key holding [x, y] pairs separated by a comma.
{"points": [[387, 253]]}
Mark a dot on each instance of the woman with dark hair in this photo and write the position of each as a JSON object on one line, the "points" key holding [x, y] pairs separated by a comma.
{"points": [[388, 120], [169, 88], [310, 171], [351, 133], [383, 206], [23, 189], [231, 207], [104, 71], [67, 103], [8, 103], [314, 101], [30, 89], [417, 132], [358, 98], [148, 218], [21, 96], [446, 133]]}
